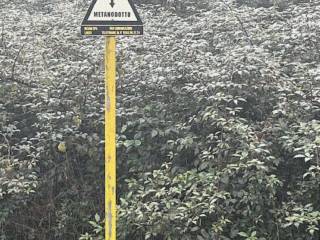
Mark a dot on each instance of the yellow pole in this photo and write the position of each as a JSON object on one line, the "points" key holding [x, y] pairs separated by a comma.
{"points": [[110, 139]]}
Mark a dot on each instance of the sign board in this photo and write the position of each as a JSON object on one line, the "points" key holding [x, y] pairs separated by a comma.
{"points": [[112, 18]]}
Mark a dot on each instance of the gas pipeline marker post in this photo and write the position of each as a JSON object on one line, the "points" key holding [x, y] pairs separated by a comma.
{"points": [[111, 18]]}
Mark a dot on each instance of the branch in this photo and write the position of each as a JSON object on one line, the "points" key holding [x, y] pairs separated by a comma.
{"points": [[15, 61], [8, 145], [21, 82], [241, 23], [2, 35], [83, 71]]}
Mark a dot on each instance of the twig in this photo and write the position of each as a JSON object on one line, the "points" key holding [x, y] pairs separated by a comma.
{"points": [[73, 79], [241, 23], [15, 61], [10, 79], [2, 35], [8, 144]]}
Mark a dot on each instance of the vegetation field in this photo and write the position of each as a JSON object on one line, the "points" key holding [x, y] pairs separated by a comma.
{"points": [[218, 122]]}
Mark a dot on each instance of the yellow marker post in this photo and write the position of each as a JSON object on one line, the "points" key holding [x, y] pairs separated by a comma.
{"points": [[110, 138], [98, 23]]}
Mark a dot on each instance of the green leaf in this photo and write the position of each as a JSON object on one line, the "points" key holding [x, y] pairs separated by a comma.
{"points": [[97, 217], [243, 234], [154, 133]]}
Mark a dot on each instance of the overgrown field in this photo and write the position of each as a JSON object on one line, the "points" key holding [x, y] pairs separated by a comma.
{"points": [[218, 122]]}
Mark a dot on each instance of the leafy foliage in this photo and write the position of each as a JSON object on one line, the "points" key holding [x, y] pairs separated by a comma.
{"points": [[51, 100], [218, 122], [232, 105]]}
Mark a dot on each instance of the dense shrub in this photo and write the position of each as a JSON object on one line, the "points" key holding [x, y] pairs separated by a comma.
{"points": [[238, 88], [218, 123], [51, 149]]}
